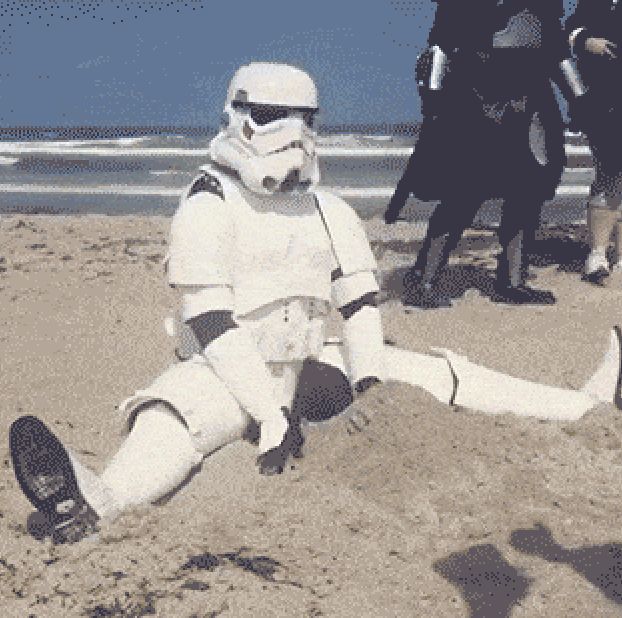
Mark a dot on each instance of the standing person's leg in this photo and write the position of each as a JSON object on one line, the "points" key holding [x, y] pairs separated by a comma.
{"points": [[618, 242], [606, 195], [519, 222], [445, 228], [401, 193], [602, 216]]}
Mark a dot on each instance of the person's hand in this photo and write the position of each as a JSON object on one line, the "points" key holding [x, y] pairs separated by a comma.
{"points": [[601, 47]]}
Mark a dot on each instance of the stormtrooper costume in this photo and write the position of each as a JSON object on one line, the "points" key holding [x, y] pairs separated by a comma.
{"points": [[260, 255]]}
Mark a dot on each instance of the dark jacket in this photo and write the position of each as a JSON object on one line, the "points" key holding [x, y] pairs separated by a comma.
{"points": [[475, 134]]}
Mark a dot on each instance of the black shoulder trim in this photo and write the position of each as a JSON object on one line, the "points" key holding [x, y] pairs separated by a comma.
{"points": [[207, 184], [211, 325], [367, 300]]}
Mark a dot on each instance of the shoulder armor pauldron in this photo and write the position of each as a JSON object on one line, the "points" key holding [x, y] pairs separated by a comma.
{"points": [[207, 183]]}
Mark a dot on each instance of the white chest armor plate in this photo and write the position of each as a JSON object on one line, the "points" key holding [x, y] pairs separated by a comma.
{"points": [[283, 251]]}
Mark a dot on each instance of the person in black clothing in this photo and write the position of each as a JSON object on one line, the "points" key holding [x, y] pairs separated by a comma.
{"points": [[594, 33], [492, 129]]}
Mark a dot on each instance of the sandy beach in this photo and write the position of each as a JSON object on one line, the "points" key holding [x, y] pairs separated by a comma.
{"points": [[429, 511]]}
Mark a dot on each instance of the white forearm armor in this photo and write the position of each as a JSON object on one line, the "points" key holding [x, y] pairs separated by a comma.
{"points": [[364, 344], [354, 280], [235, 359]]}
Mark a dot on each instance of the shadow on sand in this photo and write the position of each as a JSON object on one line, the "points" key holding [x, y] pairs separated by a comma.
{"points": [[601, 565], [561, 247], [489, 584]]}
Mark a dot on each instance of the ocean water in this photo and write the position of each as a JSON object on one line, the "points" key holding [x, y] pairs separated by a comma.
{"points": [[120, 171]]}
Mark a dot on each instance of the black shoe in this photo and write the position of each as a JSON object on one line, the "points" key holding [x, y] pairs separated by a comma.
{"points": [[522, 295], [426, 296], [597, 277], [45, 474]]}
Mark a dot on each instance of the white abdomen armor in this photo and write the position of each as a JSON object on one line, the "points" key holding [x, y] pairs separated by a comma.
{"points": [[283, 251]]}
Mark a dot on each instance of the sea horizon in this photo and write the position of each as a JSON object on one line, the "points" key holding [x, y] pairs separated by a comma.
{"points": [[94, 132]]}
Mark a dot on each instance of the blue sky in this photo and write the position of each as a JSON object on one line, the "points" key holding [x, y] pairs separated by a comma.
{"points": [[115, 62]]}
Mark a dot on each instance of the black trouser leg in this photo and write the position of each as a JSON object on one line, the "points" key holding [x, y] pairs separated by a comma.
{"points": [[450, 218], [510, 266], [519, 223], [400, 195], [437, 228], [445, 228], [517, 232]]}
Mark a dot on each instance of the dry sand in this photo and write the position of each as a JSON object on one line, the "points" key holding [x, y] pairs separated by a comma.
{"points": [[429, 511]]}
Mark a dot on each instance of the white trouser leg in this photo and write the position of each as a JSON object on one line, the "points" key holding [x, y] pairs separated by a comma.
{"points": [[156, 457], [601, 221], [431, 373], [603, 383], [493, 392], [452, 378], [97, 493]]}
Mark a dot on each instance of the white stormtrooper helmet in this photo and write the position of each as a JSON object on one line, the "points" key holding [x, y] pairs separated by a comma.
{"points": [[269, 137]]}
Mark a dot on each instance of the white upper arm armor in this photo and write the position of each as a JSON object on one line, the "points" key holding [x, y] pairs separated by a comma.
{"points": [[201, 238], [353, 255], [349, 241]]}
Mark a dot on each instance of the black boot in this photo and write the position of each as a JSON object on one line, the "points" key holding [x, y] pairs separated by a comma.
{"points": [[420, 282], [510, 286], [45, 474]]}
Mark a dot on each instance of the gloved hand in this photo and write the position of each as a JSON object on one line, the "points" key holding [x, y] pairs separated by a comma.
{"points": [[273, 461]]}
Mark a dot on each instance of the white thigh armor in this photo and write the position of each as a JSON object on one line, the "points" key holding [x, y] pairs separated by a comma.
{"points": [[213, 416]]}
